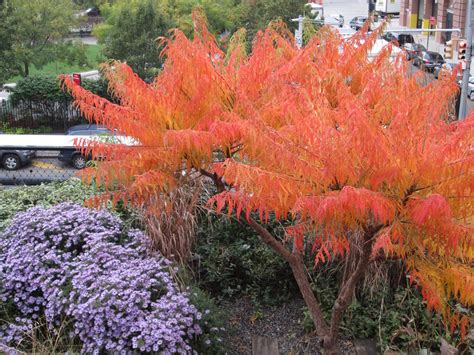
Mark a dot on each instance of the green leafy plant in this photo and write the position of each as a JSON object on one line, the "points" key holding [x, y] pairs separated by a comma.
{"points": [[230, 261]]}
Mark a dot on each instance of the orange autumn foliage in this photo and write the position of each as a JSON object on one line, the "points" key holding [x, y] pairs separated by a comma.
{"points": [[325, 136]]}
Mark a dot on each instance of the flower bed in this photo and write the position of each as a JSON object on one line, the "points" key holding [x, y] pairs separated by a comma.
{"points": [[72, 262]]}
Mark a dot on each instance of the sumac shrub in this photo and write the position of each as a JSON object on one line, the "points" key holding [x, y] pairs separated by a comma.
{"points": [[72, 262]]}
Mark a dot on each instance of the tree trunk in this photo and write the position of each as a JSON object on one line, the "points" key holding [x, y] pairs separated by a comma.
{"points": [[328, 334], [296, 261], [26, 69], [347, 289], [301, 277]]}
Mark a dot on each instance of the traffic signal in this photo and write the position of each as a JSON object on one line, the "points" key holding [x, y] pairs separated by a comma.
{"points": [[462, 49], [448, 50]]}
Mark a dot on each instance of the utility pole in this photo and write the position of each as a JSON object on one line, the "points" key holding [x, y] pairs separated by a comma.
{"points": [[299, 31], [466, 73]]}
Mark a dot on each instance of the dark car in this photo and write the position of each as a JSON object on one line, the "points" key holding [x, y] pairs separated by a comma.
{"points": [[73, 156], [11, 159], [15, 159], [428, 60], [412, 49], [358, 22], [398, 39]]}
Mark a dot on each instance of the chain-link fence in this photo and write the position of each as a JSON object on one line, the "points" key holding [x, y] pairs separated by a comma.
{"points": [[26, 167]]}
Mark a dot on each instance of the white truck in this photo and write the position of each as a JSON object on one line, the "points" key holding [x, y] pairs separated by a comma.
{"points": [[14, 148], [387, 7]]}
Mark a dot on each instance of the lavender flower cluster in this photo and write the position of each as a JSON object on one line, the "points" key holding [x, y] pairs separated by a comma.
{"points": [[69, 261]]}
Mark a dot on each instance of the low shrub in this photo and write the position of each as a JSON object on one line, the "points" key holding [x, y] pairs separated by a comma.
{"points": [[231, 261], [20, 198], [69, 262]]}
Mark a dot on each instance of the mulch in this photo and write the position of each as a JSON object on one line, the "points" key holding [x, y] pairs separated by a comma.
{"points": [[284, 323]]}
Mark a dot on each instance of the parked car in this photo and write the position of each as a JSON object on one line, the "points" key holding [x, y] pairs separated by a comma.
{"points": [[339, 18], [358, 22], [448, 67], [428, 60], [412, 49], [398, 39], [74, 157], [12, 159], [470, 87], [87, 130]]}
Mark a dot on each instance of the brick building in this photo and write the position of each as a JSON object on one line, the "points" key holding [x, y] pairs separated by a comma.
{"points": [[447, 13]]}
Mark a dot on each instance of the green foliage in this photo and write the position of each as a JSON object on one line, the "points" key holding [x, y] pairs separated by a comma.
{"points": [[132, 35], [224, 15], [259, 13], [38, 30], [231, 261], [394, 315], [19, 199], [88, 56], [212, 322], [6, 66], [5, 128], [131, 27], [48, 89]]}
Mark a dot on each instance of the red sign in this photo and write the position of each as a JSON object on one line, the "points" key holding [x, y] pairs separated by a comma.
{"points": [[76, 78], [433, 21]]}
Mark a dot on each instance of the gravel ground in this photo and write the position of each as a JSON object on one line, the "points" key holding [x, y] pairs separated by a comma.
{"points": [[283, 323]]}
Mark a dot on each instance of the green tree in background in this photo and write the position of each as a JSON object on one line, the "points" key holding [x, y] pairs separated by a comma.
{"points": [[132, 37], [222, 15], [131, 27], [6, 68], [38, 30], [258, 13]]}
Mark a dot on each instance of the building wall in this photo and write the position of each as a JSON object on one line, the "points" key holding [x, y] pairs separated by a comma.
{"points": [[411, 17]]}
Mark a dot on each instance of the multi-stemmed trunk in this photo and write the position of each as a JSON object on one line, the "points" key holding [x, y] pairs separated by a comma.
{"points": [[326, 330]]}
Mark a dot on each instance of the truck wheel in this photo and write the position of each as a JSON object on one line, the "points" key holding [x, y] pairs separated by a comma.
{"points": [[11, 162], [79, 161]]}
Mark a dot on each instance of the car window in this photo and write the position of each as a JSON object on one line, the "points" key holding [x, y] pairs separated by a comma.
{"points": [[426, 55], [406, 38]]}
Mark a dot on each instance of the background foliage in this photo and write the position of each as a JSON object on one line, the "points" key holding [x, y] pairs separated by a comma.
{"points": [[38, 31]]}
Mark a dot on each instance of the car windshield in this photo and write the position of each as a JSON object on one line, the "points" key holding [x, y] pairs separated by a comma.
{"points": [[406, 38], [89, 132], [436, 56], [417, 47]]}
